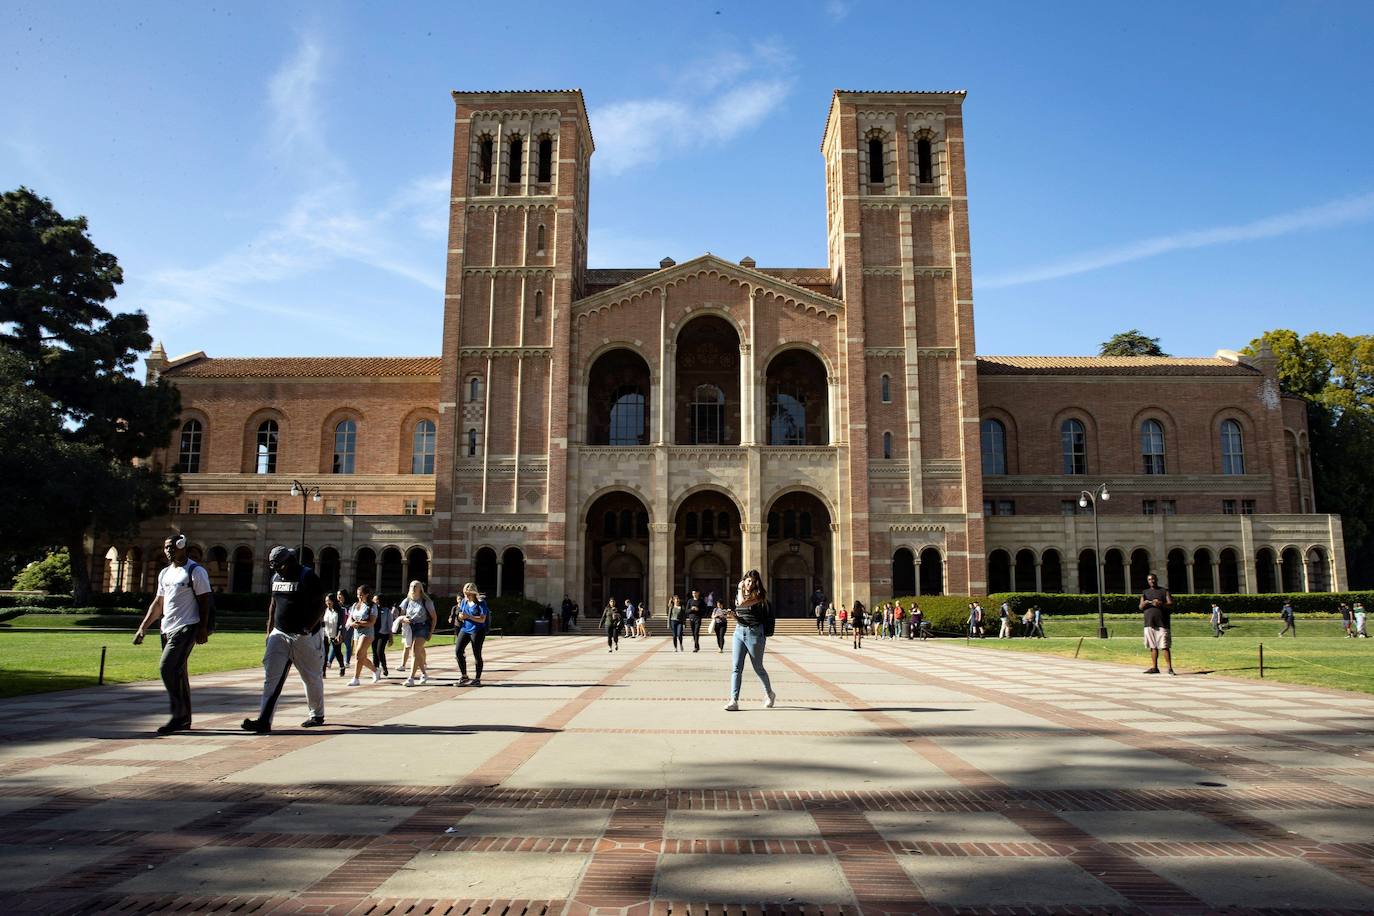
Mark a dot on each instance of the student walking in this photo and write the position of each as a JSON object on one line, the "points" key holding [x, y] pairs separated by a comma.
{"points": [[470, 617], [753, 626], [1156, 602], [1360, 631], [720, 622], [918, 622], [844, 621], [1347, 619], [345, 636], [382, 637], [182, 603], [611, 621], [417, 608], [1005, 613], [1290, 620], [333, 631], [696, 609], [642, 620], [363, 617], [1216, 619], [294, 616], [819, 611], [856, 620], [830, 618], [630, 616], [677, 619]]}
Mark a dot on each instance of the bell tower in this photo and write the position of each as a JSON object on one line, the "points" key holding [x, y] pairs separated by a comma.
{"points": [[898, 242], [517, 257]]}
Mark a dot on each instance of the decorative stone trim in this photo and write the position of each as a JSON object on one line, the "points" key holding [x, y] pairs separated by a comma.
{"points": [[1138, 483], [942, 467], [505, 351]]}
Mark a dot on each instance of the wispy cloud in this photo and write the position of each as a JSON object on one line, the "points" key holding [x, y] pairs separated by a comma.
{"points": [[714, 99], [323, 225], [837, 10], [1326, 216]]}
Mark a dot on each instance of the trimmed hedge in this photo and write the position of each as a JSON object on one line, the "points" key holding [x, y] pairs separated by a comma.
{"points": [[1303, 602], [942, 612]]}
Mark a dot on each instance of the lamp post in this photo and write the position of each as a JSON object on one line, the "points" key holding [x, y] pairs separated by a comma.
{"points": [[306, 494], [1092, 498]]}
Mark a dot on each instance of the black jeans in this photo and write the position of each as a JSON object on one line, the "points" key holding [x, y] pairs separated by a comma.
{"points": [[176, 651], [613, 636], [460, 649], [379, 644], [694, 626], [720, 634]]}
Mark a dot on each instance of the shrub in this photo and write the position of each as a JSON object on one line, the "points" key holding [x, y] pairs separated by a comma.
{"points": [[1303, 602], [944, 612], [53, 573]]}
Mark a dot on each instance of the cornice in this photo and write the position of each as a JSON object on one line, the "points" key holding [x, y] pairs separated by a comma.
{"points": [[505, 351], [512, 269], [1133, 484], [486, 202]]}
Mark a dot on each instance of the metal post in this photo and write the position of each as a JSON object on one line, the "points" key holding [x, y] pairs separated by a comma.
{"points": [[101, 678], [1261, 659], [1101, 570], [1079, 646]]}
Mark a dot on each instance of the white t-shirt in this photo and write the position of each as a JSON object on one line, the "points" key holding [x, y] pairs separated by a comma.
{"points": [[178, 588]]}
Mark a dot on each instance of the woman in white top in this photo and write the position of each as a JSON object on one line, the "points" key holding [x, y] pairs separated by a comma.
{"points": [[419, 610], [362, 616], [333, 621]]}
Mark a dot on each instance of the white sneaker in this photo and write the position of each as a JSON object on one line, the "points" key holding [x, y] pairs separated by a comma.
{"points": [[408, 682], [376, 677], [732, 706], [772, 699], [353, 683], [424, 678]]}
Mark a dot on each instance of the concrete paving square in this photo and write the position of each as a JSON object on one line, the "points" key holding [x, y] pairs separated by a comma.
{"points": [[751, 879], [1327, 825], [731, 825], [134, 814], [69, 776], [160, 750], [1152, 827], [27, 867], [986, 881], [407, 759], [946, 827], [487, 874], [544, 822], [232, 870], [333, 820], [1262, 882]]}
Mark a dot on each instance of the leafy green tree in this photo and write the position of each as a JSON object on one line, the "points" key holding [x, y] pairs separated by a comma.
{"points": [[51, 574], [76, 426], [1335, 374], [1131, 343]]}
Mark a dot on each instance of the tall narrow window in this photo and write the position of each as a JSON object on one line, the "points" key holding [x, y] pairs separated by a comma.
{"points": [[994, 436], [539, 239], [474, 389], [472, 443], [345, 446], [538, 303], [925, 172], [517, 159], [708, 415], [1152, 447], [266, 455], [875, 160], [188, 458], [422, 448], [484, 154], [887, 445], [545, 161], [1073, 441], [786, 416], [1232, 448], [885, 383], [629, 417]]}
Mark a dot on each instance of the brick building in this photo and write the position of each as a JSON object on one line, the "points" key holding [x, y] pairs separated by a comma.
{"points": [[640, 432]]}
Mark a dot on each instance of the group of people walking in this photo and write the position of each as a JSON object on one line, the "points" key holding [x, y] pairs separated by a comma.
{"points": [[889, 620]]}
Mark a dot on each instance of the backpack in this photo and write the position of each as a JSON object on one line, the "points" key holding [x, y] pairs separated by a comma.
{"points": [[191, 567]]}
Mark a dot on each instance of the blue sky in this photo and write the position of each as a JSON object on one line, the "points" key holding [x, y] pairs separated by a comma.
{"points": [[273, 176]]}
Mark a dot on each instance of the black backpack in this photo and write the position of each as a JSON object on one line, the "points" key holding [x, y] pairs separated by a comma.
{"points": [[770, 622]]}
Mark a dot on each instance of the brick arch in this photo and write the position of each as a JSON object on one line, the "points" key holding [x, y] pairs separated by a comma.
{"points": [[249, 439], [1091, 433], [629, 488], [333, 419], [705, 310], [804, 346], [406, 446], [702, 488]]}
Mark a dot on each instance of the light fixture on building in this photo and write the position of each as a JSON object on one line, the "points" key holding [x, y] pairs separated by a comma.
{"points": [[795, 546], [707, 544], [621, 546]]}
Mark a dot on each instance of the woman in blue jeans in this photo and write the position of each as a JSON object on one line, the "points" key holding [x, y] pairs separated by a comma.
{"points": [[753, 621]]}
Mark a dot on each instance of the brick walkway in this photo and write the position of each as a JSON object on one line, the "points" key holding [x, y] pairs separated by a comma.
{"points": [[906, 778]]}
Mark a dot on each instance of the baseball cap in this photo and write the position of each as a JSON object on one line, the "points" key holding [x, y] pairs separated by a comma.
{"points": [[280, 554]]}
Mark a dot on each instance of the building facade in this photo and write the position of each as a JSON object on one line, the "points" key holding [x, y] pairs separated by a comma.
{"points": [[643, 432]]}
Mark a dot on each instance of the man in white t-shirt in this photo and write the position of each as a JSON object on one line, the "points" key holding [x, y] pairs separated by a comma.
{"points": [[183, 604]]}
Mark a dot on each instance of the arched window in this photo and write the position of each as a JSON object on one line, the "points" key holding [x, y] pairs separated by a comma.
{"points": [[422, 448], [628, 416], [608, 524], [786, 416], [484, 154], [708, 524], [266, 454], [545, 161], [708, 415], [1073, 441], [693, 526], [1152, 447], [885, 384], [517, 158], [345, 446], [627, 522], [723, 524], [538, 304], [994, 436], [805, 525], [789, 523], [875, 160], [1232, 448], [539, 239], [472, 442], [474, 389], [188, 458], [925, 171], [887, 445]]}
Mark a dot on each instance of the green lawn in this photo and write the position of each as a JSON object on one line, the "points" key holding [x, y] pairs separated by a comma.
{"points": [[39, 662], [1319, 658]]}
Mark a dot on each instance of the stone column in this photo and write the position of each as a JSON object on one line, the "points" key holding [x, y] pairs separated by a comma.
{"points": [[660, 569], [918, 573], [1188, 567], [1038, 586], [1306, 583], [669, 408], [1216, 576], [1126, 572], [1278, 573], [748, 433], [498, 575]]}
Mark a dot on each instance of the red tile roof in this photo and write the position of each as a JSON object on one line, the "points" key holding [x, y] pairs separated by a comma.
{"points": [[308, 367], [1112, 365]]}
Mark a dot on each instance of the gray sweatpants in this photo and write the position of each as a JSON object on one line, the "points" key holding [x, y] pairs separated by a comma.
{"points": [[284, 650]]}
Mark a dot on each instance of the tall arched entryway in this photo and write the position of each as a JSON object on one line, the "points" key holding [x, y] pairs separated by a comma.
{"points": [[484, 571], [1291, 569], [217, 565], [999, 572], [903, 573], [797, 400], [707, 398], [513, 572], [364, 569], [1051, 572], [417, 566], [1114, 572], [616, 539], [1266, 571], [393, 575], [1176, 571], [618, 392], [800, 553], [931, 574], [708, 550], [1229, 572], [241, 571]]}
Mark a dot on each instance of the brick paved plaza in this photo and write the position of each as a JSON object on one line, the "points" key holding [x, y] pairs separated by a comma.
{"points": [[903, 778]]}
